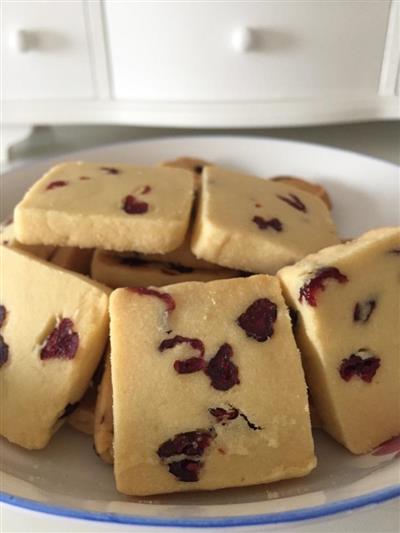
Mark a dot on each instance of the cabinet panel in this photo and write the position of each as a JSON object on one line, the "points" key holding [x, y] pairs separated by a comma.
{"points": [[245, 50], [45, 51]]}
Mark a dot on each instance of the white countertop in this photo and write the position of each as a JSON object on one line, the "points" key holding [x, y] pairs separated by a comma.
{"points": [[381, 140]]}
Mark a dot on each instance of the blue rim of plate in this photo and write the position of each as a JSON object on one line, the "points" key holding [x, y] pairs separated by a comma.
{"points": [[319, 511]]}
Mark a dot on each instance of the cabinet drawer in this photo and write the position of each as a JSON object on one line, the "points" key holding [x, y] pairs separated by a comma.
{"points": [[245, 50], [45, 51]]}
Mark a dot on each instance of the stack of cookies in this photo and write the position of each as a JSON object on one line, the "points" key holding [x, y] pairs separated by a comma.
{"points": [[180, 313]]}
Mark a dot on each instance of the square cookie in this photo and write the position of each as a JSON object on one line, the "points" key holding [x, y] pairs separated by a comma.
{"points": [[214, 385], [120, 207], [347, 299], [257, 225], [54, 325]]}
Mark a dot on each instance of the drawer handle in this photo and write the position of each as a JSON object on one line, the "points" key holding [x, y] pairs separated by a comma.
{"points": [[21, 41], [243, 39]]}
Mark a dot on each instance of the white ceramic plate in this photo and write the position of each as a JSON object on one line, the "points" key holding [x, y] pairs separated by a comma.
{"points": [[69, 480]]}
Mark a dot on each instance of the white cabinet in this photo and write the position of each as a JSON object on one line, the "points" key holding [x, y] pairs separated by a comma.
{"points": [[245, 50], [199, 63], [45, 51]]}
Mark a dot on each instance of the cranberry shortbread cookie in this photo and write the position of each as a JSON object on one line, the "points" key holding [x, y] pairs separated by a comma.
{"points": [[257, 225], [347, 298], [208, 388], [54, 325], [119, 207]]}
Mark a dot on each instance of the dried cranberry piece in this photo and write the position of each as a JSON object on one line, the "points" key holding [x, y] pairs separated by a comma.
{"points": [[69, 409], [349, 367], [191, 443], [294, 201], [55, 184], [273, 223], [390, 446], [62, 343], [196, 344], [310, 289], [258, 319], [186, 470], [369, 368], [164, 296], [3, 351], [3, 313], [146, 189], [223, 415], [198, 169], [395, 251], [134, 207], [188, 366], [249, 423], [363, 367], [224, 374], [110, 170], [363, 310]]}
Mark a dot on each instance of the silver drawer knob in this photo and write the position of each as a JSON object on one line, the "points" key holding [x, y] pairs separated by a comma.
{"points": [[242, 39]]}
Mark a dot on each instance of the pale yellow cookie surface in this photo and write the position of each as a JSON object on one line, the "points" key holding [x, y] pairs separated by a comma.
{"points": [[55, 328], [257, 225], [119, 207], [261, 388], [348, 301]]}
